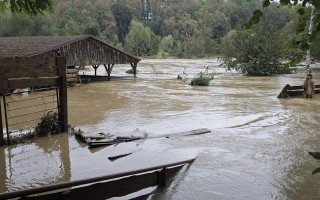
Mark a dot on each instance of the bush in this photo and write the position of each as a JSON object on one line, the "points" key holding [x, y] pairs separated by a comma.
{"points": [[129, 71], [202, 79], [49, 124], [257, 52]]}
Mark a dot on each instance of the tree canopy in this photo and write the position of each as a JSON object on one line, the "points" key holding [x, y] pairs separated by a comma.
{"points": [[303, 8], [29, 7], [188, 28]]}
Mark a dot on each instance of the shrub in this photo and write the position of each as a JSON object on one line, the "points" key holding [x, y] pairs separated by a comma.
{"points": [[49, 124], [202, 79], [129, 71]]}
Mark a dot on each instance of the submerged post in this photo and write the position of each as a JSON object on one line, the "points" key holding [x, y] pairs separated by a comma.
{"points": [[134, 68], [1, 127], [63, 101]]}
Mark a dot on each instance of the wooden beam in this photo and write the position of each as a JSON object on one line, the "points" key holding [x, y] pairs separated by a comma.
{"points": [[63, 99], [95, 67], [3, 84], [32, 82], [1, 129], [134, 67], [109, 68], [27, 62], [17, 72]]}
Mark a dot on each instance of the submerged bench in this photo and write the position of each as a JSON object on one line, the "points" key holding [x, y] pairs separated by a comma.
{"points": [[291, 91]]}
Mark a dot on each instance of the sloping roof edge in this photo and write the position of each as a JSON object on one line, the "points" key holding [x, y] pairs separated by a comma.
{"points": [[81, 38]]}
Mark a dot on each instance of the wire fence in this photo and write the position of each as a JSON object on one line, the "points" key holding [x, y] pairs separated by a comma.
{"points": [[24, 109]]}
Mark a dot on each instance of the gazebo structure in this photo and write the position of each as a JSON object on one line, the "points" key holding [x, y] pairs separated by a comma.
{"points": [[78, 50]]}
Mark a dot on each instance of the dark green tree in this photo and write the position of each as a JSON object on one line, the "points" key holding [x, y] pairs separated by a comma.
{"points": [[123, 16], [141, 41], [258, 51]]}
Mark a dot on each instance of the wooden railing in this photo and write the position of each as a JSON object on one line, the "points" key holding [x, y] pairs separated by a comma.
{"points": [[103, 187]]}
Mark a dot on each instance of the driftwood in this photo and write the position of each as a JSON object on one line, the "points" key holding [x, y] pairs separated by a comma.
{"points": [[111, 141], [292, 91]]}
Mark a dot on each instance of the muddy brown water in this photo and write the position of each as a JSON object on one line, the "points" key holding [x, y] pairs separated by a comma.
{"points": [[257, 149]]}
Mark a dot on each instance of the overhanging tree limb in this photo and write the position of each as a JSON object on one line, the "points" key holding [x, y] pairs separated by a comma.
{"points": [[303, 44]]}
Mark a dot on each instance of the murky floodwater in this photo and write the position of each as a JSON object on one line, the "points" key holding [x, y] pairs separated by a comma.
{"points": [[258, 147]]}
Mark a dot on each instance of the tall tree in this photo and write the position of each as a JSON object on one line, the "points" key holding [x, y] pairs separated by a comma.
{"points": [[123, 15], [258, 51], [140, 40]]}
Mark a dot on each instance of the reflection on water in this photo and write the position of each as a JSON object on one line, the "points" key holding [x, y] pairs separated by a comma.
{"points": [[258, 147]]}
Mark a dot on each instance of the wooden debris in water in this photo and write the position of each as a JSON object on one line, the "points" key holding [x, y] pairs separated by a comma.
{"points": [[117, 140]]}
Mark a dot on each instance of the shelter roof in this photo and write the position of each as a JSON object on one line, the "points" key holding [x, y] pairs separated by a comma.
{"points": [[79, 50]]}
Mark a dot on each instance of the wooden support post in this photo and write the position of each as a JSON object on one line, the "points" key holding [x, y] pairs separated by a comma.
{"points": [[1, 127], [109, 68], [95, 67], [134, 68], [162, 177], [63, 115]]}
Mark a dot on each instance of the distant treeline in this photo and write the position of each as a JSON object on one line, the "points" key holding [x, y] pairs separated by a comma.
{"points": [[160, 28]]}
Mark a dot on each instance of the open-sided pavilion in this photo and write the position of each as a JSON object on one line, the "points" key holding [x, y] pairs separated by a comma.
{"points": [[79, 51]]}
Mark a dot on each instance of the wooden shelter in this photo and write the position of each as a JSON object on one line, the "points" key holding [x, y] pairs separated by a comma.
{"points": [[79, 51]]}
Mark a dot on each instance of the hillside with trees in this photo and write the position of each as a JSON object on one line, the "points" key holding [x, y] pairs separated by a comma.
{"points": [[162, 28]]}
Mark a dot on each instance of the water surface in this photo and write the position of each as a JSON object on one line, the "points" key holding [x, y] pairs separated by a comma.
{"points": [[257, 149]]}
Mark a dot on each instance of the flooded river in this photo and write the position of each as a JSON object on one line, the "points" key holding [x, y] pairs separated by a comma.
{"points": [[257, 149]]}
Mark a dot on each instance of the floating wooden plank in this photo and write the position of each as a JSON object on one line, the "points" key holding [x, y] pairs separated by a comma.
{"points": [[96, 143], [185, 133], [121, 155], [292, 91], [88, 137], [117, 140]]}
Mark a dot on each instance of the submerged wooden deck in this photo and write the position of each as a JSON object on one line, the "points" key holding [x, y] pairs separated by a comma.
{"points": [[292, 91]]}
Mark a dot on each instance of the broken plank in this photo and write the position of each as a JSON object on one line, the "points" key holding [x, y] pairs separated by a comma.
{"points": [[185, 133], [120, 155]]}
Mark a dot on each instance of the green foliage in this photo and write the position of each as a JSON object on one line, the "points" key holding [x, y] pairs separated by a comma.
{"points": [[129, 71], [49, 124], [257, 52], [21, 25], [202, 79], [28, 7], [123, 15], [302, 7], [166, 44], [141, 41], [191, 28]]}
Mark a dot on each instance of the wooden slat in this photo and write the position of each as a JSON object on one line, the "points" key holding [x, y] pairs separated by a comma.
{"points": [[23, 62], [72, 80], [72, 71], [72, 75], [15, 72], [32, 82], [294, 87]]}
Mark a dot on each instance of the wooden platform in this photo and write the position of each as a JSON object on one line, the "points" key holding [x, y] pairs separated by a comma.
{"points": [[292, 91]]}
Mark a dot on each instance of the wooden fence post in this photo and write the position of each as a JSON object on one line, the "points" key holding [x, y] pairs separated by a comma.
{"points": [[1, 127], [63, 100]]}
